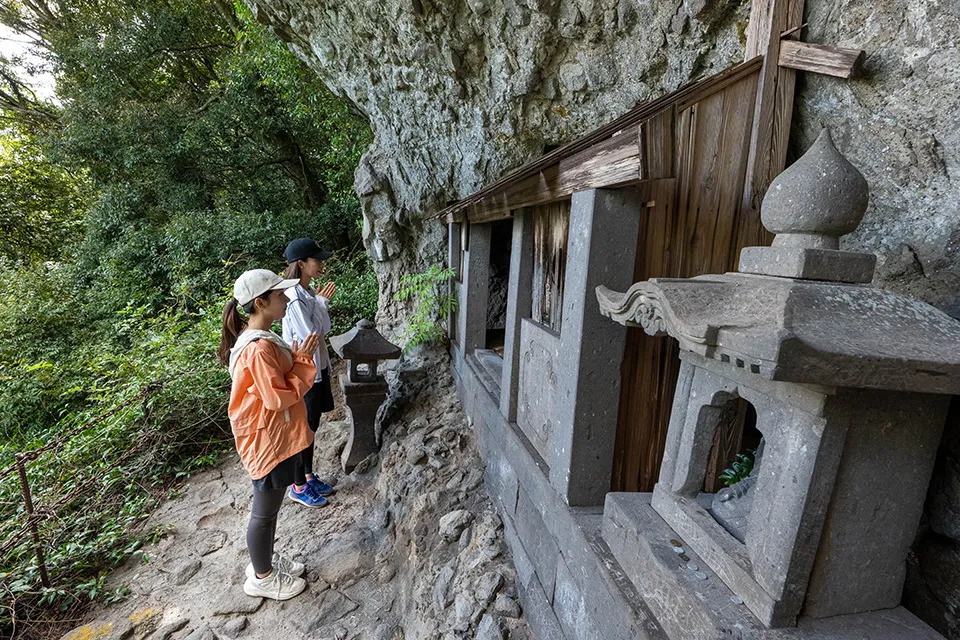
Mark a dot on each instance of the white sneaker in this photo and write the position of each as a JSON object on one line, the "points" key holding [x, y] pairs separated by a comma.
{"points": [[286, 565], [277, 585]]}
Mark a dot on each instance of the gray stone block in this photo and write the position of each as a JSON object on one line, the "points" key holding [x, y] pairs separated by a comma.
{"points": [[695, 608], [472, 305], [877, 501], [569, 605], [537, 609], [601, 249], [608, 594], [890, 624], [502, 483], [541, 547], [808, 264], [685, 605], [519, 305], [539, 362]]}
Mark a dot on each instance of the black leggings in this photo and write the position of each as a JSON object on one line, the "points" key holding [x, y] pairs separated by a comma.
{"points": [[319, 400], [263, 527]]}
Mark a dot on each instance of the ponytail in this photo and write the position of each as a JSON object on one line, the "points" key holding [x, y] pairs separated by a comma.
{"points": [[233, 324], [292, 271]]}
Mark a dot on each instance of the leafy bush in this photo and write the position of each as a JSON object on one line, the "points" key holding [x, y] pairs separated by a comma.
{"points": [[432, 303], [101, 483], [356, 296]]}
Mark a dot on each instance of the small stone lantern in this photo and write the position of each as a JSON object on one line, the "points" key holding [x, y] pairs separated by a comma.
{"points": [[850, 384], [363, 389]]}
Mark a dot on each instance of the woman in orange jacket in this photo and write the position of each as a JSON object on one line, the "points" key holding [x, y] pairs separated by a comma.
{"points": [[268, 418]]}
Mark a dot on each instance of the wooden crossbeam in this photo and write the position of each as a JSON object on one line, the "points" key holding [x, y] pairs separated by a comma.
{"points": [[610, 163], [821, 58]]}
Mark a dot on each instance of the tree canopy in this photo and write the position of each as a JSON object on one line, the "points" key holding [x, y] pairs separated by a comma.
{"points": [[170, 116]]}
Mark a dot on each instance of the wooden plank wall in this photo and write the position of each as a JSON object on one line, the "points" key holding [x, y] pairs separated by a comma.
{"points": [[692, 226], [551, 226]]}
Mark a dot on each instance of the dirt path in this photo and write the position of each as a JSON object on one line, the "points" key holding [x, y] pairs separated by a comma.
{"points": [[409, 547]]}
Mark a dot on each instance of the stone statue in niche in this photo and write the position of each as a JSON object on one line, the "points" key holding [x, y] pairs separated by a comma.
{"points": [[731, 505]]}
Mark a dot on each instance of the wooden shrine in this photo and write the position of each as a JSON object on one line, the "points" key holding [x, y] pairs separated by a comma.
{"points": [[701, 157]]}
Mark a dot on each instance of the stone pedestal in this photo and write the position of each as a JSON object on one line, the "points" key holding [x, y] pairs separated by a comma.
{"points": [[363, 400], [838, 494]]}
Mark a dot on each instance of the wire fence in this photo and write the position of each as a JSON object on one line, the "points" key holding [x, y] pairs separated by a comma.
{"points": [[42, 519], [33, 514]]}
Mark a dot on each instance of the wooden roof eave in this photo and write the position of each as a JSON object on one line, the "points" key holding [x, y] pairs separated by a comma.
{"points": [[609, 156]]}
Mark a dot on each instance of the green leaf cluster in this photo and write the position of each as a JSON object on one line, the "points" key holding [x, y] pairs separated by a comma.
{"points": [[432, 300], [740, 468]]}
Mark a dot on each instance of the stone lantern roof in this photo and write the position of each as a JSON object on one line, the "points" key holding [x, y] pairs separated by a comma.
{"points": [[794, 311], [364, 342]]}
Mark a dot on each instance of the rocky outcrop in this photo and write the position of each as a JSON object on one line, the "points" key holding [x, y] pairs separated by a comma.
{"points": [[898, 124], [458, 92]]}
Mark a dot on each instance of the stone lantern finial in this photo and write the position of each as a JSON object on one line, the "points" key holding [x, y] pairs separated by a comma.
{"points": [[809, 206]]}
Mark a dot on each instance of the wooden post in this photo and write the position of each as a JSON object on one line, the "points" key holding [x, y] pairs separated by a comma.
{"points": [[31, 520], [774, 106], [821, 58]]}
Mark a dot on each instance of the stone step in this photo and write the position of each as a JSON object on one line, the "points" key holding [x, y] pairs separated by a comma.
{"points": [[692, 603], [489, 368]]}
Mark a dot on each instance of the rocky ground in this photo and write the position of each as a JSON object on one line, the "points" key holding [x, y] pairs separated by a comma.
{"points": [[410, 546]]}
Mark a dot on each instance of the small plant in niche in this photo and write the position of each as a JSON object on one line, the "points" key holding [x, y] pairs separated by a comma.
{"points": [[432, 302], [740, 469]]}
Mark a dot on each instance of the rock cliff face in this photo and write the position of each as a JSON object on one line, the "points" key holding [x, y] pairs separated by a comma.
{"points": [[458, 92]]}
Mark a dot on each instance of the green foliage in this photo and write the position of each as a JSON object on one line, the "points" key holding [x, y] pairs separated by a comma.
{"points": [[432, 303], [740, 468], [185, 145], [102, 482], [40, 202], [356, 296], [181, 115]]}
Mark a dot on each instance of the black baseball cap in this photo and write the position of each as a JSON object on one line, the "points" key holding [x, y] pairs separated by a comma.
{"points": [[303, 248]]}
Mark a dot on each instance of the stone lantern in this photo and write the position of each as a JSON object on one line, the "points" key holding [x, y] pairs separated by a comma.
{"points": [[850, 384], [363, 388]]}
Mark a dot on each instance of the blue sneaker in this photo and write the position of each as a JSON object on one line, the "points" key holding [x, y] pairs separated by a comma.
{"points": [[307, 498], [320, 487]]}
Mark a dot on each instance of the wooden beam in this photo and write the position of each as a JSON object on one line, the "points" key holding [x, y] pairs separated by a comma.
{"points": [[774, 104], [820, 58], [657, 145], [609, 163]]}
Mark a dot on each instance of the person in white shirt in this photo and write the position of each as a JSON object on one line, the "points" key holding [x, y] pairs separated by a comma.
{"points": [[307, 312]]}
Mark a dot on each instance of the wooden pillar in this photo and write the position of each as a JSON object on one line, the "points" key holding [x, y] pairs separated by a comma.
{"points": [[472, 314], [774, 105], [519, 302]]}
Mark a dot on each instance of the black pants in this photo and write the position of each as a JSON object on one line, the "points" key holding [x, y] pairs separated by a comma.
{"points": [[319, 400], [262, 528]]}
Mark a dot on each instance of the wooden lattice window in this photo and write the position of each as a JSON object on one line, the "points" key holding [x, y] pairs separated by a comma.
{"points": [[551, 225]]}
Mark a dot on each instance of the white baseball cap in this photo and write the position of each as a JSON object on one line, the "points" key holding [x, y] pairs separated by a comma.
{"points": [[257, 282]]}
